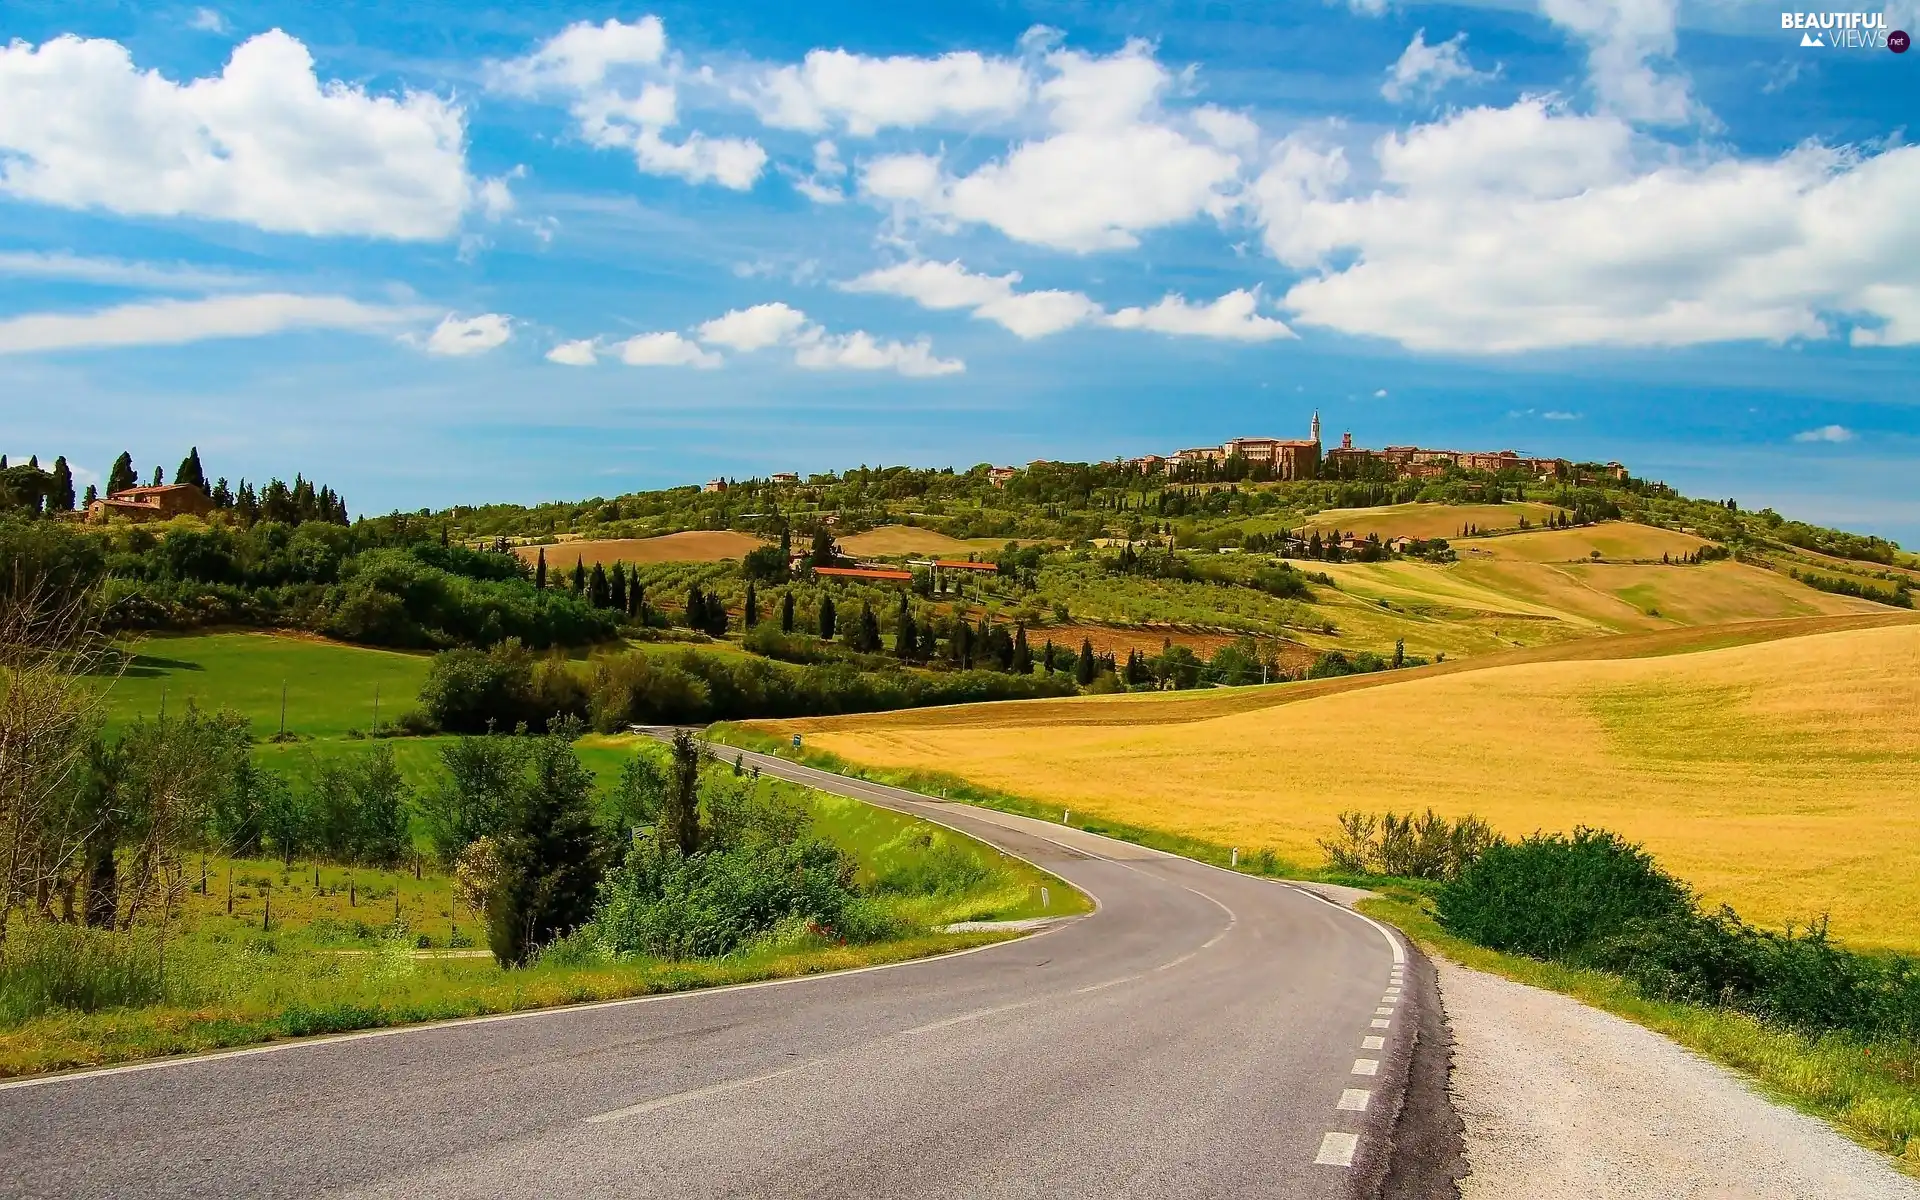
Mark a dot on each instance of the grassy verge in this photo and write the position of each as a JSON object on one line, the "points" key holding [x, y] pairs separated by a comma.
{"points": [[1252, 860], [334, 994], [257, 950], [1869, 1091]]}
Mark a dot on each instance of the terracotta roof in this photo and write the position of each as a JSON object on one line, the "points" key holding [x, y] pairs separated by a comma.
{"points": [[150, 490], [964, 565]]}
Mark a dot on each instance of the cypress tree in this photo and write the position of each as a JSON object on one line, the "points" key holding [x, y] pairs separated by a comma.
{"points": [[1022, 656], [617, 599], [929, 642], [637, 598], [680, 807], [93, 493], [826, 617], [190, 470], [121, 475], [869, 629], [540, 570], [1083, 669], [550, 856], [60, 499], [579, 577], [905, 638], [159, 476], [786, 612], [599, 591], [751, 616], [696, 608], [1046, 662], [716, 616]]}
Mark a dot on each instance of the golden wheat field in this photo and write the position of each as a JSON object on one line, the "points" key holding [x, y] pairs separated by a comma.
{"points": [[1782, 777], [692, 546]]}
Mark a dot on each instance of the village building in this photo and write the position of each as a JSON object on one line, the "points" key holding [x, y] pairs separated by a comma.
{"points": [[159, 503], [783, 477], [714, 485]]}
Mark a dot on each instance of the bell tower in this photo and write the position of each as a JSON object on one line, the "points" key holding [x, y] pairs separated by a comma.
{"points": [[1316, 427]]}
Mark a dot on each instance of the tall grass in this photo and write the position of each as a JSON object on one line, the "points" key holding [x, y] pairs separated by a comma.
{"points": [[50, 966]]}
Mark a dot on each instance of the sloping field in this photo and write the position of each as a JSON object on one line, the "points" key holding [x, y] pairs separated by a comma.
{"points": [[1426, 520], [1634, 596], [693, 546], [1781, 776], [1620, 541], [906, 539], [329, 688]]}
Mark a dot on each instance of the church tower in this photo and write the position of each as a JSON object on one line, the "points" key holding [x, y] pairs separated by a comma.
{"points": [[1316, 427]]}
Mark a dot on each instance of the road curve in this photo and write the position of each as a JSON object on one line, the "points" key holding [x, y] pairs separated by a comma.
{"points": [[1202, 1034]]}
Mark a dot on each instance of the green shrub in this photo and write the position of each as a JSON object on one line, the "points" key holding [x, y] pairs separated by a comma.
{"points": [[712, 903], [1553, 896], [931, 864]]}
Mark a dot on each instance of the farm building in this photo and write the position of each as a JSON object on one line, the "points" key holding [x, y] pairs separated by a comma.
{"points": [[160, 503]]}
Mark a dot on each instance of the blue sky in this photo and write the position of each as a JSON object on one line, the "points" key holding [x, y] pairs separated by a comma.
{"points": [[445, 253]]}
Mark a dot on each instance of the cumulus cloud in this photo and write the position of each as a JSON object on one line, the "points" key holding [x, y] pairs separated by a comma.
{"points": [[950, 285], [263, 143], [861, 351], [1629, 47], [581, 353], [174, 322], [579, 57], [1036, 314], [1231, 317], [1528, 227], [665, 350], [865, 95], [1424, 70], [620, 87], [755, 328], [461, 337], [1112, 167], [1826, 433]]}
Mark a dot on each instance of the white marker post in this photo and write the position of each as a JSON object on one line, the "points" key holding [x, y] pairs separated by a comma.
{"points": [[1046, 901], [1236, 856]]}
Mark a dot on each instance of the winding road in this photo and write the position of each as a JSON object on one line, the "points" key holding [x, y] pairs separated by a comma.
{"points": [[1203, 1033]]}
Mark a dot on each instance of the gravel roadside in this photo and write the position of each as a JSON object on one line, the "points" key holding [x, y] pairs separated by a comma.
{"points": [[1562, 1101]]}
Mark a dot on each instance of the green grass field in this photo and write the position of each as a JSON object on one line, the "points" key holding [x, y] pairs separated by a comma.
{"points": [[329, 688]]}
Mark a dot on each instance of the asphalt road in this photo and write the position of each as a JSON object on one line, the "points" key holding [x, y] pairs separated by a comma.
{"points": [[1196, 1036]]}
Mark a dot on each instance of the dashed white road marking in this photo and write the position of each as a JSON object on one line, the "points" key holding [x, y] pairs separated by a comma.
{"points": [[1373, 1043], [1366, 1066], [1336, 1150], [1379, 1023], [1354, 1100], [1383, 1012]]}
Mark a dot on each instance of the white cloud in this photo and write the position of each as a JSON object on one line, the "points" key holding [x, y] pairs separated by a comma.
{"points": [[461, 337], [580, 56], [1499, 230], [950, 285], [113, 272], [1380, 394], [1424, 70], [665, 350], [581, 353], [866, 95], [823, 185], [861, 351], [1232, 317], [262, 143], [208, 20], [755, 328], [173, 322], [1112, 168], [1826, 433], [1556, 415], [1229, 130], [619, 79], [936, 285], [1627, 40]]}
